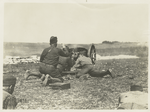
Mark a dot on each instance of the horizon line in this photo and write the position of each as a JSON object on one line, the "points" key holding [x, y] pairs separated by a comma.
{"points": [[81, 43]]}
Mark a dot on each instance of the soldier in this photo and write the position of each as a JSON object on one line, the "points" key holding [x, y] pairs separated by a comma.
{"points": [[84, 63], [49, 60], [9, 101], [65, 64]]}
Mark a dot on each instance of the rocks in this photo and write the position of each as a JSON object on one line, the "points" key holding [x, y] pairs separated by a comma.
{"points": [[133, 100], [136, 88]]}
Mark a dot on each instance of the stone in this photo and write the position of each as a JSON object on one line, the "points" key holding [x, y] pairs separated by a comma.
{"points": [[136, 88], [133, 100]]}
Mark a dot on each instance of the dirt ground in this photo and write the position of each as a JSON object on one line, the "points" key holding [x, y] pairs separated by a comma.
{"points": [[85, 93]]}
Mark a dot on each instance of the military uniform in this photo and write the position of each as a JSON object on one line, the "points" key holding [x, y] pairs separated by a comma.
{"points": [[9, 101], [65, 64], [86, 66], [50, 59]]}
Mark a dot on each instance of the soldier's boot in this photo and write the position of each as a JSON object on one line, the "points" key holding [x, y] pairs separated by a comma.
{"points": [[53, 80], [45, 82], [43, 77], [32, 73], [110, 73], [27, 74]]}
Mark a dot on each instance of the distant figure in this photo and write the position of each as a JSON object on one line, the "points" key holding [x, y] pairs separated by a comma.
{"points": [[85, 65], [9, 101], [49, 70]]}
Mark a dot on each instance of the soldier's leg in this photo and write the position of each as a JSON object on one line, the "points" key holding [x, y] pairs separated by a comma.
{"points": [[60, 68], [53, 80], [43, 77], [29, 73], [97, 73], [53, 76], [84, 70], [56, 76], [43, 70], [49, 79]]}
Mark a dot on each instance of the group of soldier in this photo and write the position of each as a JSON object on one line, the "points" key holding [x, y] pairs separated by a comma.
{"points": [[51, 68]]}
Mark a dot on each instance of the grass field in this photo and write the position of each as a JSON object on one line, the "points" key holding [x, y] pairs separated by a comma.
{"points": [[92, 93]]}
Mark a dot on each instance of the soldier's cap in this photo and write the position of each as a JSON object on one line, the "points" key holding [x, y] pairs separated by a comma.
{"points": [[53, 39], [8, 80]]}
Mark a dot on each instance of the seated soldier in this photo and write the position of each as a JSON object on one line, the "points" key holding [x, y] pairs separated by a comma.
{"points": [[9, 101], [84, 63], [49, 63], [65, 64]]}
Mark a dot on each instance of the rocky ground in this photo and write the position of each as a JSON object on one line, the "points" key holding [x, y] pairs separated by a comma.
{"points": [[85, 93]]}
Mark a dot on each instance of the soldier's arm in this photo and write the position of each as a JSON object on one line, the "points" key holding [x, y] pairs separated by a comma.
{"points": [[70, 62], [43, 55], [64, 52], [77, 63]]}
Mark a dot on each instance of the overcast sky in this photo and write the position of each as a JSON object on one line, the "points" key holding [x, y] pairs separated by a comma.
{"points": [[75, 23]]}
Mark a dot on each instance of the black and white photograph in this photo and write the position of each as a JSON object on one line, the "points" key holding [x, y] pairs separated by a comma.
{"points": [[75, 55]]}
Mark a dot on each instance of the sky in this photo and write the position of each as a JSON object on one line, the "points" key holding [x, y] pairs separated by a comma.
{"points": [[75, 22]]}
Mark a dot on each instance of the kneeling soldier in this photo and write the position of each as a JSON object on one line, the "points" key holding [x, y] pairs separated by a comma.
{"points": [[49, 62], [9, 101], [65, 63]]}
